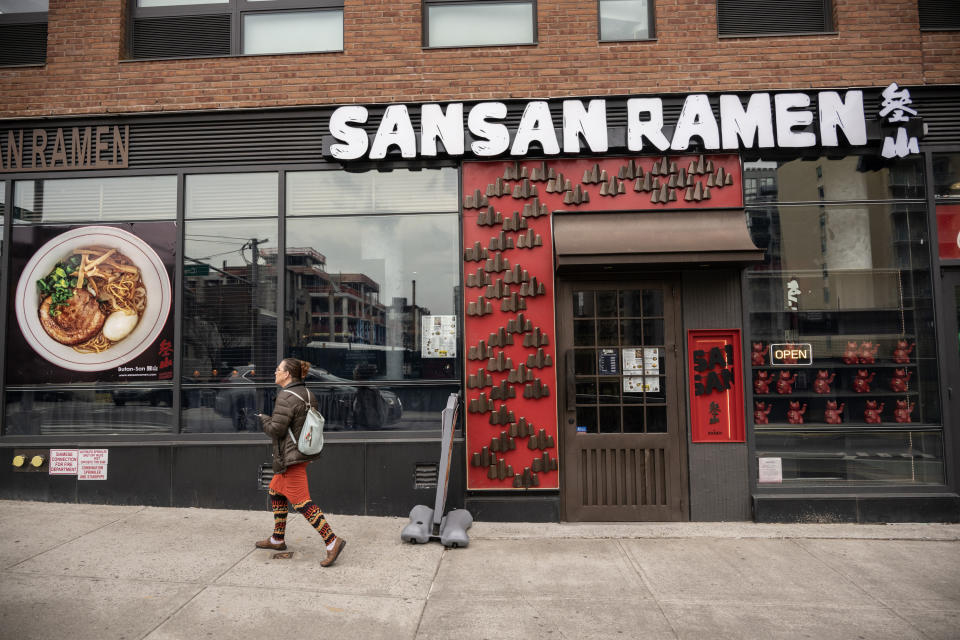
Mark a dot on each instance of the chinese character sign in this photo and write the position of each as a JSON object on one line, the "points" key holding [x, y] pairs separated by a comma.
{"points": [[896, 110], [715, 364]]}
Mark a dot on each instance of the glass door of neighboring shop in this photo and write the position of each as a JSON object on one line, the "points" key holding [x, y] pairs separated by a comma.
{"points": [[951, 343], [621, 413]]}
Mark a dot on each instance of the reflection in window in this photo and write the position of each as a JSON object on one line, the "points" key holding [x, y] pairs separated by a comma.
{"points": [[229, 301], [231, 195], [849, 178], [339, 192], [356, 301], [95, 199], [624, 20], [97, 411], [293, 32], [468, 24], [946, 175]]}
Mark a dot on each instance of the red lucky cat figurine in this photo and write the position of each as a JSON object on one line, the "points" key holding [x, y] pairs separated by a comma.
{"points": [[795, 413], [831, 415], [871, 415], [759, 355], [823, 380], [861, 384], [900, 380], [762, 383], [903, 411], [785, 383], [901, 354], [851, 356], [868, 352], [761, 412]]}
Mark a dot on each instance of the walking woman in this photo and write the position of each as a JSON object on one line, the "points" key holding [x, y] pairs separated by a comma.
{"points": [[289, 484]]}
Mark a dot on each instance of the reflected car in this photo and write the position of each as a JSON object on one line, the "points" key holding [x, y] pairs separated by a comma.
{"points": [[343, 404]]}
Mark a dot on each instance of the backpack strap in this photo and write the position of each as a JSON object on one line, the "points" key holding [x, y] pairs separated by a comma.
{"points": [[306, 402]]}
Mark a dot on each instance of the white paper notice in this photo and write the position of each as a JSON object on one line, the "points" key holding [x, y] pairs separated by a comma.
{"points": [[63, 462], [651, 360], [438, 337], [771, 469], [632, 361], [637, 384], [93, 464]]}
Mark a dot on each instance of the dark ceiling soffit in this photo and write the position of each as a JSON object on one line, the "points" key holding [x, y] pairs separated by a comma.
{"points": [[660, 237]]}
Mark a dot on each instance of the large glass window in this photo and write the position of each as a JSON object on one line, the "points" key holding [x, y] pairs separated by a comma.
{"points": [[846, 282], [193, 28], [229, 299], [626, 19], [95, 199], [478, 23], [23, 32]]}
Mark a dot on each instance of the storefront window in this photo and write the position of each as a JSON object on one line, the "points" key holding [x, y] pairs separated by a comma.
{"points": [[841, 325], [946, 175], [315, 193], [229, 300], [89, 411], [95, 199]]}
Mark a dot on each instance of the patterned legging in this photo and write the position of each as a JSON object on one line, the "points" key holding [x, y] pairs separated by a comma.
{"points": [[309, 510]]}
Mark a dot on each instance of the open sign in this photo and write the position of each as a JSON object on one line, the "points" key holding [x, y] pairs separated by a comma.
{"points": [[791, 354]]}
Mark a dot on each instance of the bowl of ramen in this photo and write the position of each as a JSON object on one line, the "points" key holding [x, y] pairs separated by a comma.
{"points": [[93, 298]]}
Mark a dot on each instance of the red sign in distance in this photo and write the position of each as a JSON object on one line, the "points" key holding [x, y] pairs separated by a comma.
{"points": [[715, 369], [948, 231]]}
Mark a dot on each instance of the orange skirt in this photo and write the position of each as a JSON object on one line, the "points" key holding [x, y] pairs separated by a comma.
{"points": [[292, 483]]}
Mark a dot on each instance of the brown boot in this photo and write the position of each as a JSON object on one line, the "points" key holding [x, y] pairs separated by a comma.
{"points": [[333, 553], [266, 544]]}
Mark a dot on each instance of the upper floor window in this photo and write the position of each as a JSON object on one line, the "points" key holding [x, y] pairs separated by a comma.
{"points": [[626, 20], [23, 32], [479, 23], [773, 17], [939, 15], [193, 28]]}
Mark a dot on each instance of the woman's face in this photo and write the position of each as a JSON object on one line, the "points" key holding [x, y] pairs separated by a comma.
{"points": [[281, 376]]}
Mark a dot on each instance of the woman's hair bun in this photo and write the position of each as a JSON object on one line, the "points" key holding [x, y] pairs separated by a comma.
{"points": [[304, 369]]}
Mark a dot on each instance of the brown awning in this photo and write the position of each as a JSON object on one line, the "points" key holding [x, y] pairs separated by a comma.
{"points": [[661, 237]]}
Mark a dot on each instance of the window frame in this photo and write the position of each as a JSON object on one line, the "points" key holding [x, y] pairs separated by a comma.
{"points": [[651, 25], [829, 24], [236, 9], [425, 23]]}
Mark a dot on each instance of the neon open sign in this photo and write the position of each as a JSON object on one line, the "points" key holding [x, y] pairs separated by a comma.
{"points": [[791, 354]]}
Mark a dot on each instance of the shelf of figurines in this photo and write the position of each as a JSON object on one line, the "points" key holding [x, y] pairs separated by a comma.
{"points": [[855, 354], [877, 410]]}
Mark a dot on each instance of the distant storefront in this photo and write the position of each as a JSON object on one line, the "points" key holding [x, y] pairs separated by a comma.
{"points": [[695, 307]]}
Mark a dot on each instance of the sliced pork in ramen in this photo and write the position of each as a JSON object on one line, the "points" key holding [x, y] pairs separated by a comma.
{"points": [[79, 320]]}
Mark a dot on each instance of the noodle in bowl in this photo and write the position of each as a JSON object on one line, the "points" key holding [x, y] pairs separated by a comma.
{"points": [[121, 274]]}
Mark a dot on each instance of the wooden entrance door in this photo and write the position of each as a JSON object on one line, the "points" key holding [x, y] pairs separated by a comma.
{"points": [[623, 440]]}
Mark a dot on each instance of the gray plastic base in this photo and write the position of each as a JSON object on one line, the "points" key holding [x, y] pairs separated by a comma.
{"points": [[453, 527]]}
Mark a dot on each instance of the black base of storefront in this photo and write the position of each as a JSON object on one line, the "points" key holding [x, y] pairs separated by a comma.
{"points": [[362, 477], [514, 508], [939, 507]]}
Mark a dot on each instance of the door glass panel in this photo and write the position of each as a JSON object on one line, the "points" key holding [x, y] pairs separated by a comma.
{"points": [[619, 363], [652, 302], [583, 304], [607, 304], [585, 362], [583, 333], [609, 419], [607, 332], [586, 420]]}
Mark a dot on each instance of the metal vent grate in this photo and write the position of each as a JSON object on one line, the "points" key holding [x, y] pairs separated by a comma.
{"points": [[23, 44], [939, 15], [181, 36], [265, 476], [753, 17], [425, 475]]}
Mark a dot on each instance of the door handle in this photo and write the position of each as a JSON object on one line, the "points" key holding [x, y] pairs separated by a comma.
{"points": [[571, 386]]}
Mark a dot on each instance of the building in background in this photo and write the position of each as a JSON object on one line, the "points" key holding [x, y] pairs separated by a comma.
{"points": [[681, 261]]}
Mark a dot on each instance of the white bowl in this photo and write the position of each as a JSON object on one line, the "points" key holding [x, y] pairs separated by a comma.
{"points": [[154, 317]]}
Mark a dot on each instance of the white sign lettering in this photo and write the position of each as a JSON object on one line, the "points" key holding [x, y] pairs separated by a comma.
{"points": [[788, 121]]}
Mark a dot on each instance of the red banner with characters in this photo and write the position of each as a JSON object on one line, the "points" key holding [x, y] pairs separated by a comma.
{"points": [[715, 364]]}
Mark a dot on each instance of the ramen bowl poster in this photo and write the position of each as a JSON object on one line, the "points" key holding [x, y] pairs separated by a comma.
{"points": [[91, 303]]}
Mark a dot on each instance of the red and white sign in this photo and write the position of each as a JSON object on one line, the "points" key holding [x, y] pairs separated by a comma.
{"points": [[716, 385], [948, 231], [93, 464], [63, 462]]}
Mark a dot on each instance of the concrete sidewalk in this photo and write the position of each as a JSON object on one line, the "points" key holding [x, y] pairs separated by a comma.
{"points": [[101, 572]]}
